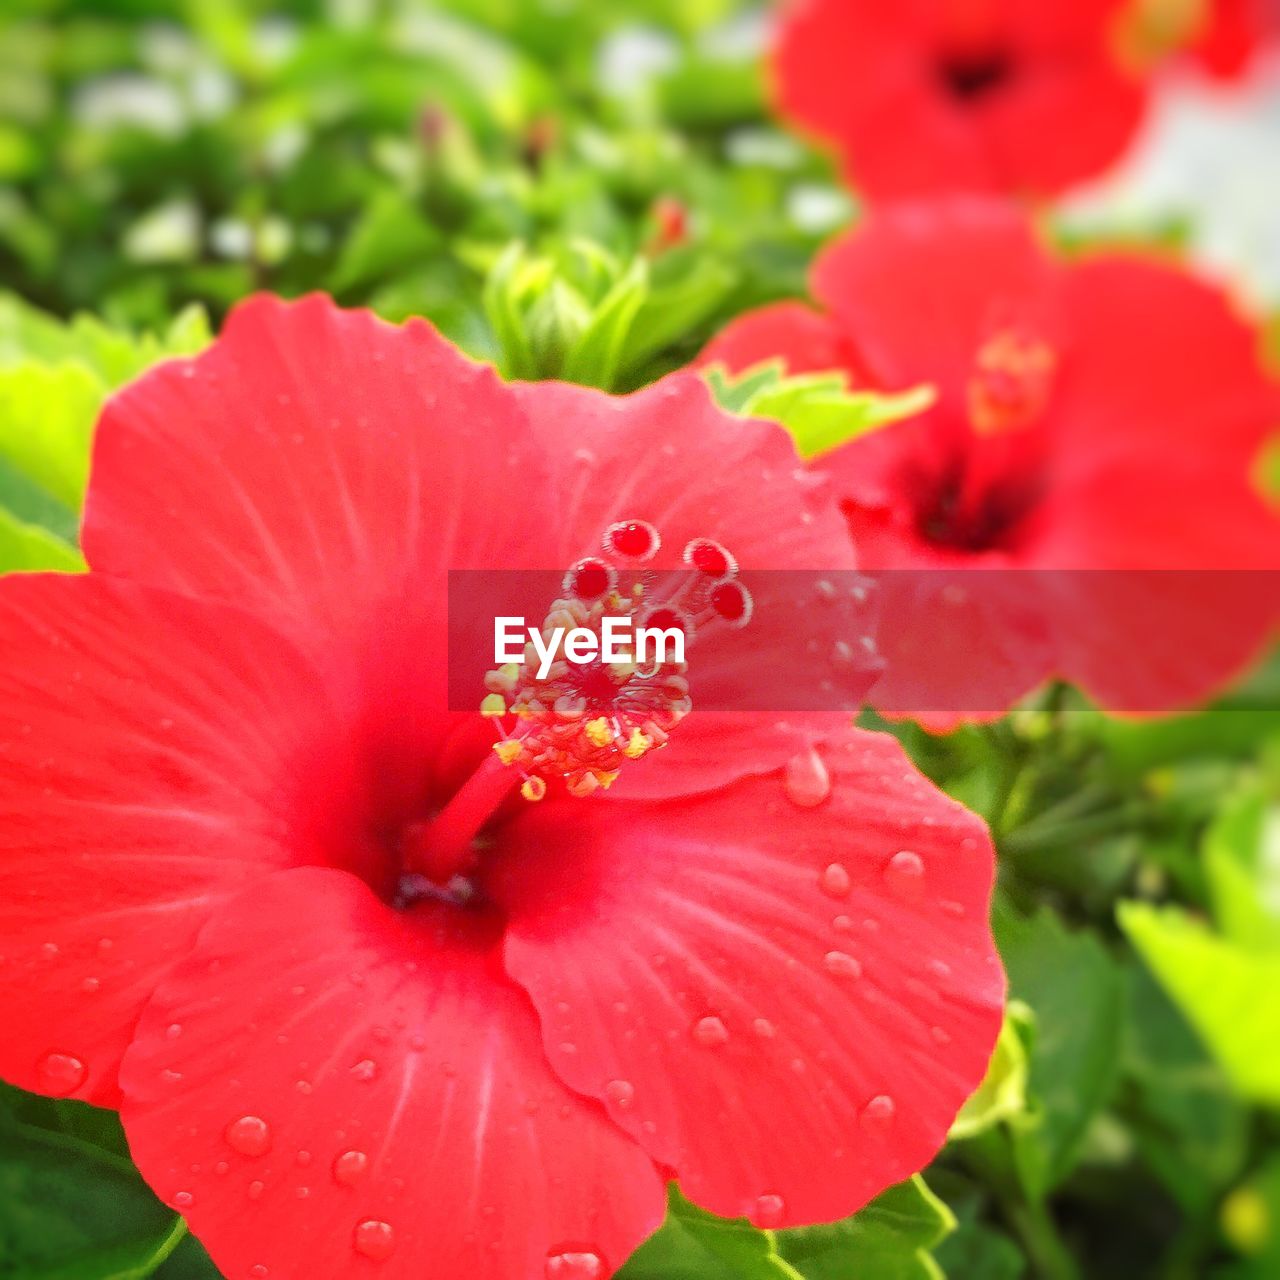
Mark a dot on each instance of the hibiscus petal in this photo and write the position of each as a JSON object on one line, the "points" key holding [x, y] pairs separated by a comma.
{"points": [[156, 754], [315, 465], [328, 1088], [804, 340], [919, 287], [785, 1004], [1159, 360]]}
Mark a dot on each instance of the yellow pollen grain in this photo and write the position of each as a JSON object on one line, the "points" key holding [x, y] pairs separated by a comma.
{"points": [[598, 732], [606, 780], [533, 789], [494, 705], [637, 746], [508, 750]]}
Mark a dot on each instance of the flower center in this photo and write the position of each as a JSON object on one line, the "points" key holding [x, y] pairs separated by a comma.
{"points": [[573, 725], [576, 724], [1011, 382], [970, 77]]}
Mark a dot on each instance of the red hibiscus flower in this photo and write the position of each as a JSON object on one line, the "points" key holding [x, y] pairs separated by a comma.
{"points": [[365, 1007], [1102, 414], [925, 96], [1232, 33]]}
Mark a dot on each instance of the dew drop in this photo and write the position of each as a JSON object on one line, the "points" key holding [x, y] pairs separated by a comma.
{"points": [[905, 874], [59, 1075], [878, 1114], [842, 965], [836, 881], [90, 985], [350, 1167], [622, 1093], [806, 780], [173, 1030], [768, 1212], [183, 1200], [710, 1032], [374, 1239], [574, 1265], [250, 1136], [365, 1070], [258, 1272], [254, 1190], [764, 1028]]}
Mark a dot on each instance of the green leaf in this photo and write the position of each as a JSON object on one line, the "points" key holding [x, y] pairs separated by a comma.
{"points": [[1242, 863], [27, 547], [511, 277], [693, 1245], [1231, 995], [47, 415], [889, 1240], [596, 358], [975, 1251], [1180, 1112], [1003, 1091], [390, 236], [73, 1210], [675, 307], [1077, 994], [819, 410]]}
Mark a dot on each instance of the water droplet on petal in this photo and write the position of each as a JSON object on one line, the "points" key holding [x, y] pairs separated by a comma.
{"points": [[710, 1032], [183, 1200], [842, 965], [836, 881], [878, 1114], [365, 1070], [255, 1190], [350, 1167], [905, 874], [374, 1239], [59, 1075], [806, 780], [250, 1136], [258, 1272], [622, 1093], [764, 1028], [574, 1265], [768, 1212]]}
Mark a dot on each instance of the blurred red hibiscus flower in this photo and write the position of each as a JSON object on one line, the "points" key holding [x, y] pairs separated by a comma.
{"points": [[926, 96], [1097, 424], [1222, 37], [364, 1007]]}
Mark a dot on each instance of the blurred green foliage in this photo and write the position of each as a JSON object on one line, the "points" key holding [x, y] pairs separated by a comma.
{"points": [[587, 190]]}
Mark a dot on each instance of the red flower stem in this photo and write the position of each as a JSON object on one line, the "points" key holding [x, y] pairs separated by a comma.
{"points": [[444, 847]]}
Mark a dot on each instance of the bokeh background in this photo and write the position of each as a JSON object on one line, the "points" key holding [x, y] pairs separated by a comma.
{"points": [[531, 175]]}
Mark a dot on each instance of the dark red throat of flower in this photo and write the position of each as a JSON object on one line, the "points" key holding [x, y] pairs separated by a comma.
{"points": [[974, 76]]}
